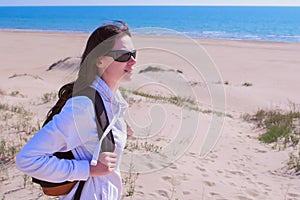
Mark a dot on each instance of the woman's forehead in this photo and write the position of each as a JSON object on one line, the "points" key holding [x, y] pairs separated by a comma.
{"points": [[123, 43]]}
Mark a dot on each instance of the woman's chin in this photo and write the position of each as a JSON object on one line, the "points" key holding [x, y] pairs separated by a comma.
{"points": [[127, 77]]}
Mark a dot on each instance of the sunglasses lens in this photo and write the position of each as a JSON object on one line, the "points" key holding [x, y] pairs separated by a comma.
{"points": [[123, 57], [134, 54]]}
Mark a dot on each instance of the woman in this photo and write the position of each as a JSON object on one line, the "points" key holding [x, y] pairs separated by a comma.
{"points": [[108, 58]]}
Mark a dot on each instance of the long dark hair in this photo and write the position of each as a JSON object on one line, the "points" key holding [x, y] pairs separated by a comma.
{"points": [[99, 43]]}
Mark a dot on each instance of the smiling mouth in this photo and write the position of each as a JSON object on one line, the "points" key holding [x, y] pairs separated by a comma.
{"points": [[128, 71]]}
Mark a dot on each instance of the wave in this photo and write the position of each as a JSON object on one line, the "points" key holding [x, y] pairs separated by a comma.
{"points": [[218, 35]]}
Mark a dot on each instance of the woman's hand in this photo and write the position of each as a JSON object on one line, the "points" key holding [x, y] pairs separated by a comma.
{"points": [[109, 159], [106, 164]]}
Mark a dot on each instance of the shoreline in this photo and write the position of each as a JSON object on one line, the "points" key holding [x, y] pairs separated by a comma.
{"points": [[237, 62], [144, 36]]}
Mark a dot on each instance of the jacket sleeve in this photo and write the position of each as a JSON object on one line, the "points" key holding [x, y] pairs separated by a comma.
{"points": [[60, 134]]}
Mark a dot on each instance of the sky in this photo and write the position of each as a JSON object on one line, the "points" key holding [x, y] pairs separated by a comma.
{"points": [[149, 2]]}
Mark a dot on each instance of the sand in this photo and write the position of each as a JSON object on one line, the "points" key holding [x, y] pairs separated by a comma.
{"points": [[237, 167]]}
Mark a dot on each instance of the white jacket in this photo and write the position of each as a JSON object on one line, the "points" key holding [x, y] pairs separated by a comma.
{"points": [[74, 128]]}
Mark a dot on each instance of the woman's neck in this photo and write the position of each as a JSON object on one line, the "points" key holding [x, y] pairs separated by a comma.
{"points": [[113, 85]]}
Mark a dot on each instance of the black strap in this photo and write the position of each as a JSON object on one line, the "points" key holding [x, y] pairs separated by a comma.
{"points": [[108, 143], [79, 190]]}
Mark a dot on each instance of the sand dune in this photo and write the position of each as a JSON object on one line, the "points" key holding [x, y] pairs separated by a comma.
{"points": [[253, 75]]}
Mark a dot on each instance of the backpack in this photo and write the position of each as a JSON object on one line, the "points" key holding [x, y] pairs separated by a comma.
{"points": [[108, 145]]}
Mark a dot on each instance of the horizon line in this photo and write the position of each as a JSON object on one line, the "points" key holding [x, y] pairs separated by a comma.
{"points": [[254, 5]]}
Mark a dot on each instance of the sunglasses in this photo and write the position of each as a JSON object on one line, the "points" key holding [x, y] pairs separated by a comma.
{"points": [[121, 55]]}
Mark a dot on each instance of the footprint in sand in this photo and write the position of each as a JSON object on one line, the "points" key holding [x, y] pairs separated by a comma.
{"points": [[232, 184], [151, 166], [293, 195], [174, 180], [173, 166], [213, 156], [252, 192], [186, 192], [140, 187], [201, 169], [265, 186], [227, 176], [214, 194], [209, 183], [207, 161], [192, 154], [153, 195], [185, 177], [167, 178], [163, 193], [140, 193], [260, 151], [243, 198], [236, 173]]}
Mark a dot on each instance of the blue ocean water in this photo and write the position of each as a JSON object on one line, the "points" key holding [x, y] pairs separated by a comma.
{"points": [[229, 22]]}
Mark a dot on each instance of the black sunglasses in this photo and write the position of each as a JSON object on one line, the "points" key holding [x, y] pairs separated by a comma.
{"points": [[121, 55]]}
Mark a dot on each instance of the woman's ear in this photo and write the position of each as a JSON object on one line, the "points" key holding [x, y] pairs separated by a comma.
{"points": [[99, 62], [102, 62]]}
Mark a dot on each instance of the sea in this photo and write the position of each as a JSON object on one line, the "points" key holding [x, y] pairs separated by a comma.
{"points": [[265, 23]]}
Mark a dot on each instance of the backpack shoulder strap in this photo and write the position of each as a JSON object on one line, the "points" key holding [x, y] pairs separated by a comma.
{"points": [[108, 143]]}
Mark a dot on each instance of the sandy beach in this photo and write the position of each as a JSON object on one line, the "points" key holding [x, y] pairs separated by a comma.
{"points": [[253, 75]]}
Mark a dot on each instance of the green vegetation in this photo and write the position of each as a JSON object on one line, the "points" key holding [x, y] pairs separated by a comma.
{"points": [[25, 74], [294, 162], [129, 181], [14, 109], [279, 125], [152, 69], [281, 128], [16, 93], [133, 145], [246, 84], [48, 97], [158, 69], [17, 126], [176, 100], [17, 123], [58, 62], [185, 102]]}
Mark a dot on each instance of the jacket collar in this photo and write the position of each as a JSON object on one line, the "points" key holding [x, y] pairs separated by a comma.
{"points": [[107, 94]]}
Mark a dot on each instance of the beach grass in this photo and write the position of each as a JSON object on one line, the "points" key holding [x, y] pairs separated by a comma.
{"points": [[184, 102], [158, 69], [49, 96], [278, 125], [281, 128], [25, 74], [17, 122], [129, 180]]}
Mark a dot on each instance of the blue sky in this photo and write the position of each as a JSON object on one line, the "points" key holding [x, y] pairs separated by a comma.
{"points": [[149, 2]]}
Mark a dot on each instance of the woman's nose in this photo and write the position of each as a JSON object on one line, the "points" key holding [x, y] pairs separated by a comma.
{"points": [[132, 61]]}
